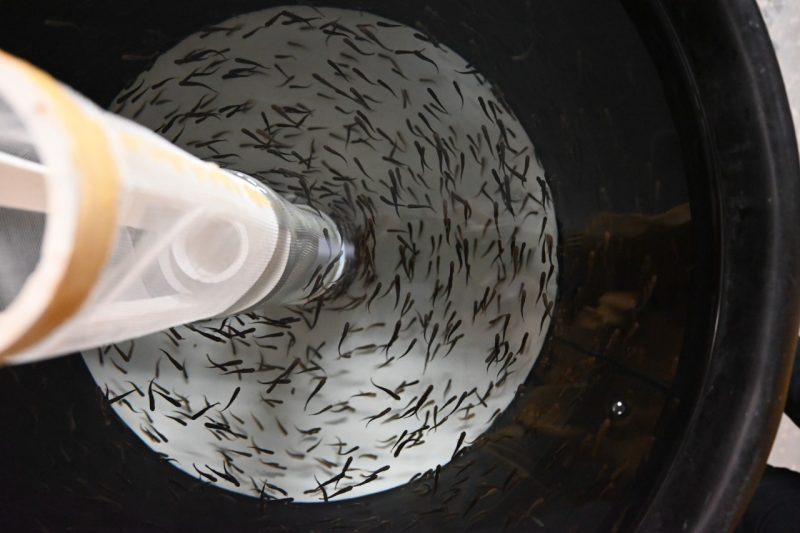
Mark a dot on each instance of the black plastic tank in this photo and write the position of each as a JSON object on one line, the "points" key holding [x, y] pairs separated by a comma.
{"points": [[668, 144]]}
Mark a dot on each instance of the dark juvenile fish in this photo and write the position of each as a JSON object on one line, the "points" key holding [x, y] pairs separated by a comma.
{"points": [[387, 391], [459, 443], [375, 417], [172, 360], [319, 386], [203, 411], [233, 397], [122, 396]]}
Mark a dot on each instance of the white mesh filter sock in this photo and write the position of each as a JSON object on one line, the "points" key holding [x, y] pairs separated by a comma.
{"points": [[108, 232]]}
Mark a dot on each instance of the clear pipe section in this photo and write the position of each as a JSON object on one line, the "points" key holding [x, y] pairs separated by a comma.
{"points": [[311, 253]]}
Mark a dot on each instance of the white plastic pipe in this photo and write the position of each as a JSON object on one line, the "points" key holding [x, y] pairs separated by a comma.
{"points": [[109, 232]]}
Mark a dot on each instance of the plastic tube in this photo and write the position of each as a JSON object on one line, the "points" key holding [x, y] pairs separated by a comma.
{"points": [[110, 232]]}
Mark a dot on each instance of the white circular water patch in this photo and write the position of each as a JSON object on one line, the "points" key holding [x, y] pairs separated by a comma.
{"points": [[397, 136]]}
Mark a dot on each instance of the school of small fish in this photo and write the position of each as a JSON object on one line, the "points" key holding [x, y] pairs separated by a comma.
{"points": [[451, 291]]}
